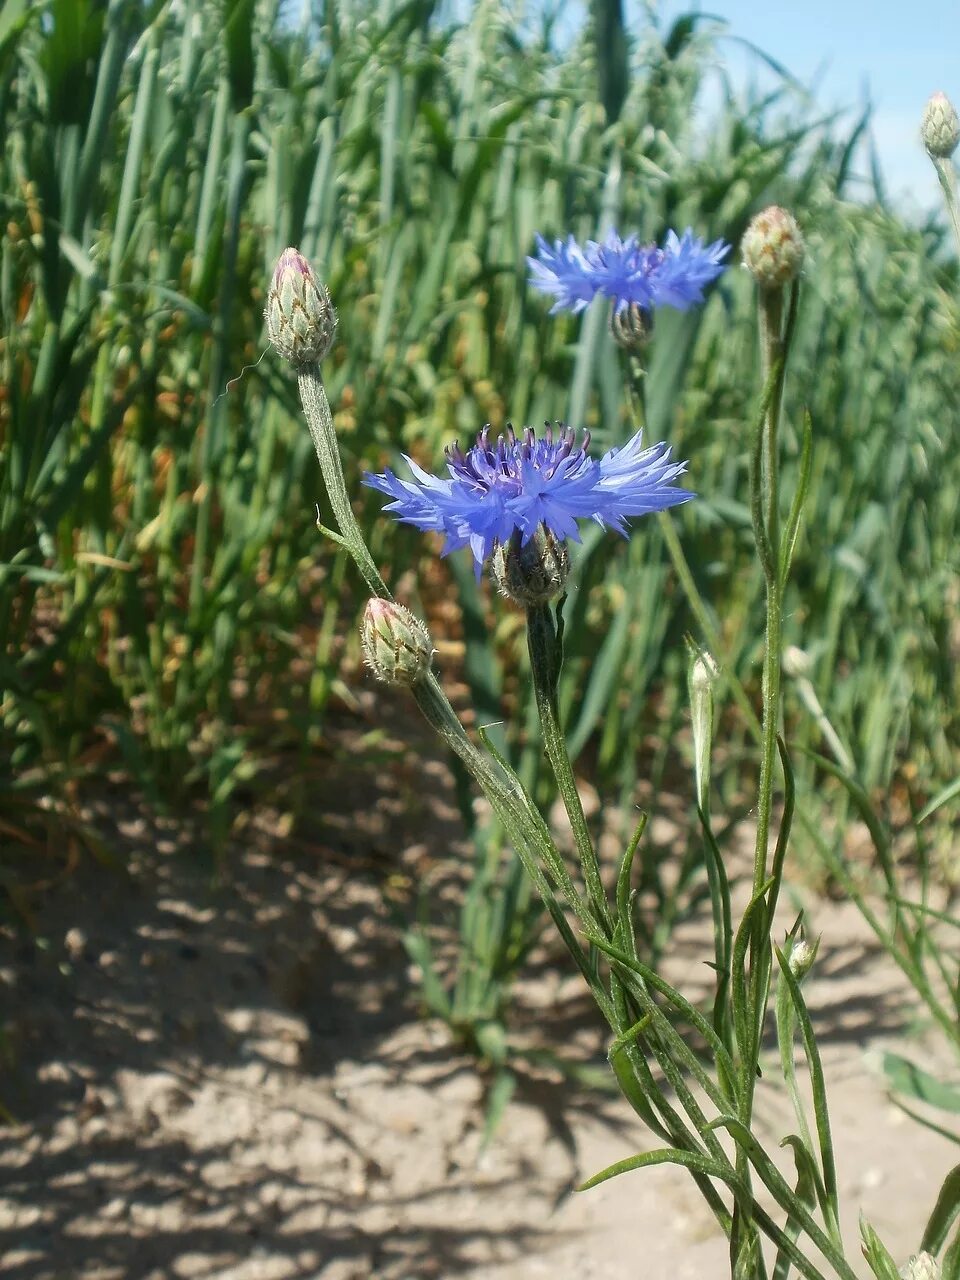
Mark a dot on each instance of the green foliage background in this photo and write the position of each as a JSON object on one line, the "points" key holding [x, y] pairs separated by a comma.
{"points": [[161, 578]]}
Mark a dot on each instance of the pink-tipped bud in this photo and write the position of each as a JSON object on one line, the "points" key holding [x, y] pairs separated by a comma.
{"points": [[773, 248], [940, 127], [300, 317], [396, 645]]}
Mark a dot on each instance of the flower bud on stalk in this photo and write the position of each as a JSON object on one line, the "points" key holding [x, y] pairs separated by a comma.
{"points": [[940, 127], [801, 958], [701, 678], [922, 1266], [533, 574], [396, 645], [773, 248], [300, 317]]}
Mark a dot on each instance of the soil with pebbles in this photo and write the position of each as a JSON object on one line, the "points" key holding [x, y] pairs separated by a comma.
{"points": [[222, 1071]]}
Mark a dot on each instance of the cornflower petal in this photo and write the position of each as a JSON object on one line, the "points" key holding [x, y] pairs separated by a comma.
{"points": [[624, 270], [687, 267], [636, 481], [564, 272]]}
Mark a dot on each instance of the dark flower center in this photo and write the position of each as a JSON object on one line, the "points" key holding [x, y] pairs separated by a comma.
{"points": [[501, 464]]}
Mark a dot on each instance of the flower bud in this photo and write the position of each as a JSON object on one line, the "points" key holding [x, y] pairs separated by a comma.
{"points": [[940, 127], [773, 248], [533, 574], [796, 663], [300, 317], [701, 678], [632, 327], [801, 958], [703, 673], [922, 1266], [396, 645]]}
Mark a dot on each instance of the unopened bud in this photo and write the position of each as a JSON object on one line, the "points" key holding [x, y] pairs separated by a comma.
{"points": [[300, 317], [940, 127], [922, 1266], [796, 663], [533, 574], [632, 327], [396, 645], [703, 673], [773, 248], [801, 958], [701, 677]]}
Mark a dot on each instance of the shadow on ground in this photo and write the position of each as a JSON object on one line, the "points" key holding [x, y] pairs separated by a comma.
{"points": [[223, 1072]]}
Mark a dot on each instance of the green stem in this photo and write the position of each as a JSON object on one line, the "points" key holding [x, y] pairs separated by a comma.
{"points": [[637, 389], [316, 409], [948, 181], [542, 643], [765, 506], [771, 356]]}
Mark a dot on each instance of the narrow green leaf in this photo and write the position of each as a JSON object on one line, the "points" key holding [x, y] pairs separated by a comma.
{"points": [[876, 1254], [792, 526], [880, 838], [746, 1033], [806, 1191], [907, 1078], [238, 40], [421, 953], [498, 1098], [818, 1085], [950, 1267], [668, 1155], [945, 1213], [939, 800]]}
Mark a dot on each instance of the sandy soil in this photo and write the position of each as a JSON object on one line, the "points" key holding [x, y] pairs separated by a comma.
{"points": [[225, 1075]]}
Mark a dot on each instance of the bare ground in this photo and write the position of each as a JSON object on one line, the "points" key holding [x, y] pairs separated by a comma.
{"points": [[224, 1074]]}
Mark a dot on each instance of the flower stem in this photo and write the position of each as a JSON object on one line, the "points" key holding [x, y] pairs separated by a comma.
{"points": [[316, 409], [543, 644], [765, 481], [948, 181], [771, 354], [765, 498]]}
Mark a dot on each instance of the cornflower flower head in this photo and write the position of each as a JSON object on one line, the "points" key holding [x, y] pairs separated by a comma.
{"points": [[626, 271], [518, 483]]}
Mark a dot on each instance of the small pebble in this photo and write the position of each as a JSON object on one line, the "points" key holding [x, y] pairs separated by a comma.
{"points": [[75, 943]]}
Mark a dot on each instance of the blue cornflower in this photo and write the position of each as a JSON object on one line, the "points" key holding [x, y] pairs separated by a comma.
{"points": [[626, 271], [519, 483]]}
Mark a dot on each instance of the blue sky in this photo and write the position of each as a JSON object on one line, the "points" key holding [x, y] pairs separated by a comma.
{"points": [[896, 54]]}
